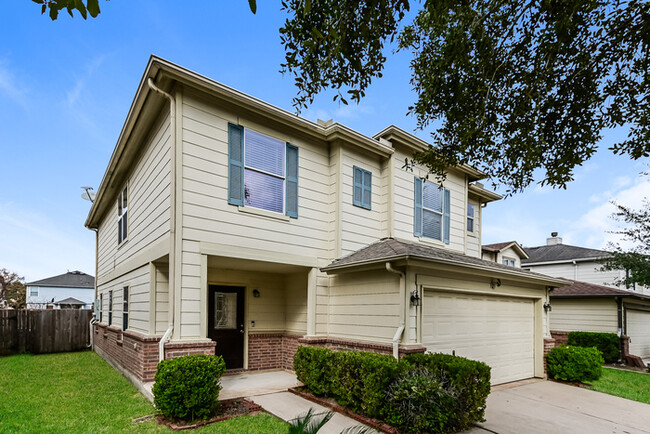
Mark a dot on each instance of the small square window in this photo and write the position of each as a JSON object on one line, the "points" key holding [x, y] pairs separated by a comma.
{"points": [[33, 291]]}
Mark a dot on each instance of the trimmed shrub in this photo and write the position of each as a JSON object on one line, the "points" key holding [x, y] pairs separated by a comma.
{"points": [[421, 392], [607, 343], [570, 363], [188, 387], [359, 380], [312, 367], [419, 401], [469, 378]]}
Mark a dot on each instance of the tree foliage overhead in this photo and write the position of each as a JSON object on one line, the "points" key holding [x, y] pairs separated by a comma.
{"points": [[12, 289], [84, 7], [636, 261], [510, 86]]}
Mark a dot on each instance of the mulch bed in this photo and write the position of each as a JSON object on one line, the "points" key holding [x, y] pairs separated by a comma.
{"points": [[332, 405], [228, 409]]}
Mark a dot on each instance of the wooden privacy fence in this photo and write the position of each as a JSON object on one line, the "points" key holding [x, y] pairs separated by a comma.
{"points": [[40, 331]]}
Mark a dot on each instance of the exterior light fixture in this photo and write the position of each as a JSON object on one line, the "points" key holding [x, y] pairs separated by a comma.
{"points": [[415, 298], [494, 283], [256, 293], [547, 307]]}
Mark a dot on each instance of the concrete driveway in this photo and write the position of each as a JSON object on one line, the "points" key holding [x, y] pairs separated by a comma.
{"points": [[547, 407]]}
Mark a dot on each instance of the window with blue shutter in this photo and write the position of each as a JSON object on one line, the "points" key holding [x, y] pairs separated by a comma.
{"points": [[362, 188], [263, 171], [431, 211]]}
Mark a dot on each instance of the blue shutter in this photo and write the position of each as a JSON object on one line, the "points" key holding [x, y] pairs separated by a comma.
{"points": [[417, 209], [357, 186], [446, 219], [292, 181], [235, 165], [366, 201]]}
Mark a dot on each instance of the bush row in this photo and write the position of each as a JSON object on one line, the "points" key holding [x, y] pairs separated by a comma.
{"points": [[421, 392], [607, 343]]}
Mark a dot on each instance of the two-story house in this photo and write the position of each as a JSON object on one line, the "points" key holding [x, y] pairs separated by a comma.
{"points": [[227, 225], [73, 289]]}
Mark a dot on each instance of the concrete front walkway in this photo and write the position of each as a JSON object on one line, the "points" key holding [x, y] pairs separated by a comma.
{"points": [[549, 407]]}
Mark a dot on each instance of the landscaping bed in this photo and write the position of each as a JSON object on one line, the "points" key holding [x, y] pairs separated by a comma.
{"points": [[227, 410]]}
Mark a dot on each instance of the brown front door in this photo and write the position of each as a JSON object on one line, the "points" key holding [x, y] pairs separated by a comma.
{"points": [[226, 323]]}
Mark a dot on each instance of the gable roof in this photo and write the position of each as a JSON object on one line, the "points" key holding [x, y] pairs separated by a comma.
{"points": [[589, 290], [70, 301], [391, 249], [561, 253], [499, 247], [71, 279]]}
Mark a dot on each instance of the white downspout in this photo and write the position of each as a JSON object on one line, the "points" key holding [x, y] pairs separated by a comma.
{"points": [[172, 226], [402, 306]]}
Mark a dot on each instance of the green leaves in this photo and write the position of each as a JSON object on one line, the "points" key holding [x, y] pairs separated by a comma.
{"points": [[521, 89], [89, 7]]}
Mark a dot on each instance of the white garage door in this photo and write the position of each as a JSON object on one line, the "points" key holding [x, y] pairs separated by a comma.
{"points": [[499, 331], [638, 329]]}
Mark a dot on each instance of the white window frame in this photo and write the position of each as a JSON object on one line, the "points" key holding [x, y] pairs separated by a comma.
{"points": [[509, 262], [32, 289], [110, 307], [247, 131], [101, 307], [122, 215], [471, 218], [441, 213]]}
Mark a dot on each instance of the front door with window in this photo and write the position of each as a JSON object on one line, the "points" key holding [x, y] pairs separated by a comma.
{"points": [[226, 323]]}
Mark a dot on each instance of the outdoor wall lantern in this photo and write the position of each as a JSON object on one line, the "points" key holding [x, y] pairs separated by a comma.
{"points": [[547, 307], [494, 283], [256, 293], [415, 298]]}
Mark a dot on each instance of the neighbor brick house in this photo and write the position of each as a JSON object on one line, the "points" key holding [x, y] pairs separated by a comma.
{"points": [[225, 224]]}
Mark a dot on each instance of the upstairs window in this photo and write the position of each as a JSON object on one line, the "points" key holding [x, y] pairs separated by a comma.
{"points": [[122, 208], [110, 307], [470, 217], [262, 171], [431, 211], [33, 291], [362, 188], [125, 308], [509, 262]]}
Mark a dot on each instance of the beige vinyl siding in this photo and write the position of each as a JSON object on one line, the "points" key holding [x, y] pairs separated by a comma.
{"points": [[555, 270], [509, 253], [162, 298], [138, 283], [403, 213], [638, 329], [359, 226], [148, 203], [364, 306], [207, 217], [590, 272], [474, 238], [589, 315], [296, 303]]}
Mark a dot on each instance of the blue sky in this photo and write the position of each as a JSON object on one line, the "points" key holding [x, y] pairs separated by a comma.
{"points": [[66, 87]]}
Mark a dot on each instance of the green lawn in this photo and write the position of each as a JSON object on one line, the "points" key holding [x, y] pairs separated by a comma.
{"points": [[626, 384], [80, 392]]}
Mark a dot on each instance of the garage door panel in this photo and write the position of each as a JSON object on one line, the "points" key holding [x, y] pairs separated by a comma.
{"points": [[638, 329], [496, 330]]}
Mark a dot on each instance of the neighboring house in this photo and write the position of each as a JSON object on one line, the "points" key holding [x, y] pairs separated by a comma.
{"points": [[575, 263], [70, 303], [223, 221], [588, 307], [46, 292], [509, 253]]}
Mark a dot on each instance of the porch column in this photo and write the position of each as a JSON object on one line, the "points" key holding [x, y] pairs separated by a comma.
{"points": [[312, 279]]}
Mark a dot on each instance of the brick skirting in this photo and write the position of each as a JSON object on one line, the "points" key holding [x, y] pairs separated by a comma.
{"points": [[344, 344], [549, 344], [561, 338], [271, 351]]}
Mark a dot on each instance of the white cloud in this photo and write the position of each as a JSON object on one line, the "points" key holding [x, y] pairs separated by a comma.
{"points": [[35, 246], [72, 96], [10, 86], [342, 113], [595, 225]]}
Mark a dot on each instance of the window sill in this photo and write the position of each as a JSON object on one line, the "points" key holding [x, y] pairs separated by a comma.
{"points": [[472, 234], [120, 245], [263, 213], [431, 241]]}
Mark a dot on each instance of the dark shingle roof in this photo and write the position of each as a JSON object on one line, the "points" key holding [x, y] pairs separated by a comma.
{"points": [[584, 289], [71, 279], [497, 247], [71, 301], [388, 249], [560, 252]]}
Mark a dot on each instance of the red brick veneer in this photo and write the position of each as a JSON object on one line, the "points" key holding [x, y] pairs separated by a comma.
{"points": [[561, 338], [137, 353], [549, 344], [271, 351]]}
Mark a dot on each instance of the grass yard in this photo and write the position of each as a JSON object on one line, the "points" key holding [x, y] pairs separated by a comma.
{"points": [[80, 392], [626, 384]]}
